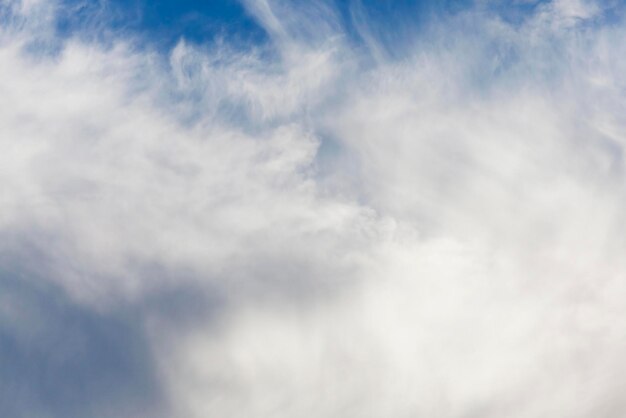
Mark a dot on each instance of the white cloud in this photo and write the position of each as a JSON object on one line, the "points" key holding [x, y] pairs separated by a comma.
{"points": [[434, 236]]}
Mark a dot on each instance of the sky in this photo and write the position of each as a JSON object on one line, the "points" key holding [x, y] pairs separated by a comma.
{"points": [[320, 209]]}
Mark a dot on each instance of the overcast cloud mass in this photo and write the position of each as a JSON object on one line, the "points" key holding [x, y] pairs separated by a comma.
{"points": [[344, 215]]}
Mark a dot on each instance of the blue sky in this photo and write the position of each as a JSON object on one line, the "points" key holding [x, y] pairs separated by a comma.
{"points": [[164, 22]]}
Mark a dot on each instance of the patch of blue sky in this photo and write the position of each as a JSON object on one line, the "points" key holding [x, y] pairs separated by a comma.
{"points": [[164, 22]]}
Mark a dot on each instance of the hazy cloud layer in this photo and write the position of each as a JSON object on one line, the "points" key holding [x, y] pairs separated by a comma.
{"points": [[315, 227]]}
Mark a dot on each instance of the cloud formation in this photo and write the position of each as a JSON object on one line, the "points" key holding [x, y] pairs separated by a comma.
{"points": [[315, 226]]}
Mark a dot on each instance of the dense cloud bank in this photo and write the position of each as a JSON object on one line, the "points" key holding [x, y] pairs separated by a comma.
{"points": [[314, 226]]}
